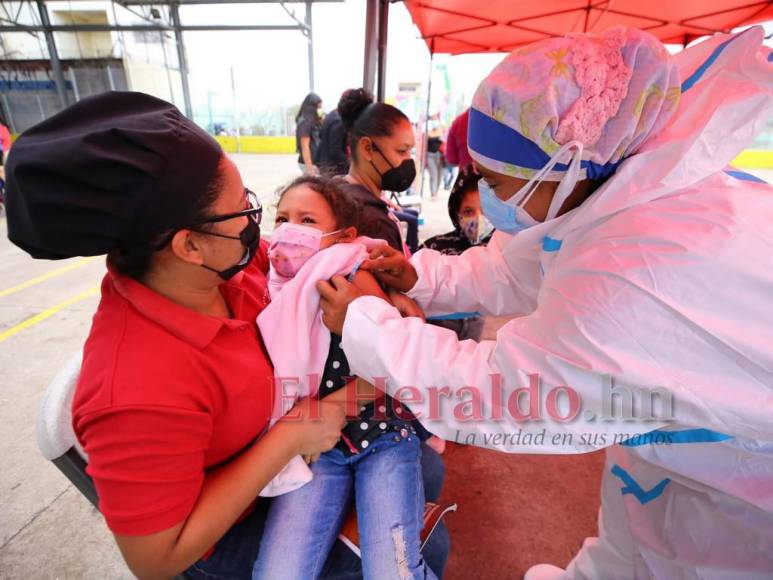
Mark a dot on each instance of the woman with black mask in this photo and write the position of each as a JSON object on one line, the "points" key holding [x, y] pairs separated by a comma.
{"points": [[381, 141], [175, 390]]}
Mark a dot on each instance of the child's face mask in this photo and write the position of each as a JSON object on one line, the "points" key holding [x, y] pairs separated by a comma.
{"points": [[291, 247], [475, 227]]}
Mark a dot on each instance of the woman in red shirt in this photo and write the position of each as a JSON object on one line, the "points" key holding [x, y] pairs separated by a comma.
{"points": [[175, 391]]}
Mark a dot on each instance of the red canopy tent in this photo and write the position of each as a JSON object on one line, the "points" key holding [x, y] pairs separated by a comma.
{"points": [[465, 26], [476, 26]]}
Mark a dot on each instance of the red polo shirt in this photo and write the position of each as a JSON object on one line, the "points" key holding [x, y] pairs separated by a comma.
{"points": [[165, 393]]}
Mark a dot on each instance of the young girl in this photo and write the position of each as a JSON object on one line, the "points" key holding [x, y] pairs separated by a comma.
{"points": [[470, 226], [378, 457]]}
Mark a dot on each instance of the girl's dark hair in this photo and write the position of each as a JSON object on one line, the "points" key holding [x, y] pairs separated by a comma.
{"points": [[463, 185], [345, 208], [362, 117], [135, 261], [309, 108]]}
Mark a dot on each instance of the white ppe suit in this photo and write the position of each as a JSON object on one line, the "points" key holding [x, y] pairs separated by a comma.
{"points": [[662, 279]]}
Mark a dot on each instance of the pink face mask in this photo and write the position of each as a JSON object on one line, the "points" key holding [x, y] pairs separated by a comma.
{"points": [[291, 247]]}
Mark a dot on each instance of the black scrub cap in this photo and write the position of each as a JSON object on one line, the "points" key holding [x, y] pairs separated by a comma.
{"points": [[114, 170]]}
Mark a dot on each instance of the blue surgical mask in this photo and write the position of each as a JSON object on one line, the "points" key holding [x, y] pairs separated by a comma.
{"points": [[510, 216], [503, 216]]}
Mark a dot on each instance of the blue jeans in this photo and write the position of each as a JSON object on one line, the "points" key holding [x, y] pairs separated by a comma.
{"points": [[237, 550], [386, 481], [411, 217]]}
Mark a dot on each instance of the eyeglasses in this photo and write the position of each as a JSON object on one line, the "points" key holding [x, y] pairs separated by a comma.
{"points": [[254, 211]]}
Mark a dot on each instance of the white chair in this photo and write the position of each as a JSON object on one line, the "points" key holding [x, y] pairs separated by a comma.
{"points": [[55, 436]]}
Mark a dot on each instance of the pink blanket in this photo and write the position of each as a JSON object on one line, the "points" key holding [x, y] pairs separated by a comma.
{"points": [[298, 342]]}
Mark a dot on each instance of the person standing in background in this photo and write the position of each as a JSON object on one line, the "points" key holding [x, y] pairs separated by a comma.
{"points": [[5, 140], [434, 156], [5, 146], [456, 145], [307, 133], [333, 158]]}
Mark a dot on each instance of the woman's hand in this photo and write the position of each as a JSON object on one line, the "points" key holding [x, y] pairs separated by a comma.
{"points": [[314, 425], [335, 297], [392, 268], [405, 305]]}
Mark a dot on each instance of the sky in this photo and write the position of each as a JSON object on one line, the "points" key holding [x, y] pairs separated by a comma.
{"points": [[270, 69]]}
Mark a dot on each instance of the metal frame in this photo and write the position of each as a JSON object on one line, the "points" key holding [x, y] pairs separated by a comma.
{"points": [[376, 32], [176, 26], [74, 468], [53, 54]]}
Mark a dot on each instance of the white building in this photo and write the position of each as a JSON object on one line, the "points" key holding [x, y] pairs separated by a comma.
{"points": [[92, 61]]}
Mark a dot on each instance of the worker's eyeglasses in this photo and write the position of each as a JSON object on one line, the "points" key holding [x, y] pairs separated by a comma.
{"points": [[254, 211]]}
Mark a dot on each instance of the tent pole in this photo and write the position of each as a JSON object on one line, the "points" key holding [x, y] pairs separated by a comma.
{"points": [[371, 46], [425, 138], [182, 61], [383, 30], [53, 55], [310, 48]]}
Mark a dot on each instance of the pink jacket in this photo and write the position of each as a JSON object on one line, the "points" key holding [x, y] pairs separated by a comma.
{"points": [[298, 342]]}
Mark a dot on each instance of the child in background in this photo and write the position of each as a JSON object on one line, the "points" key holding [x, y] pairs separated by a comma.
{"points": [[378, 458], [470, 227]]}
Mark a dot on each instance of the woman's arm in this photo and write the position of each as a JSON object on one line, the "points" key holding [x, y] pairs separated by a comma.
{"points": [[538, 388], [481, 279], [311, 427]]}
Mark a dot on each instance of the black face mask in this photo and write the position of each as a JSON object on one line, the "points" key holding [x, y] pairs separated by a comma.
{"points": [[396, 178], [250, 238]]}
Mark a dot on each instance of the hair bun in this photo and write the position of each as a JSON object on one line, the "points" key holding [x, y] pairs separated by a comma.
{"points": [[353, 102]]}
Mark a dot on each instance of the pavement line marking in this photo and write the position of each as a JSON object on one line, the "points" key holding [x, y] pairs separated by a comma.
{"points": [[32, 321], [47, 276]]}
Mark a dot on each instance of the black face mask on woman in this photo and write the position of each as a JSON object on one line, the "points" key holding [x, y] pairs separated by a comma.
{"points": [[396, 178], [249, 236]]}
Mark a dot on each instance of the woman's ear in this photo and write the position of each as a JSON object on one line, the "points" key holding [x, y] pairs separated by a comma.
{"points": [[366, 146], [186, 247]]}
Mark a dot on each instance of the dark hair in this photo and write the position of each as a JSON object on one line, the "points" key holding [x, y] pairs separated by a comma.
{"points": [[362, 117], [464, 184], [345, 208], [135, 261], [309, 108]]}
